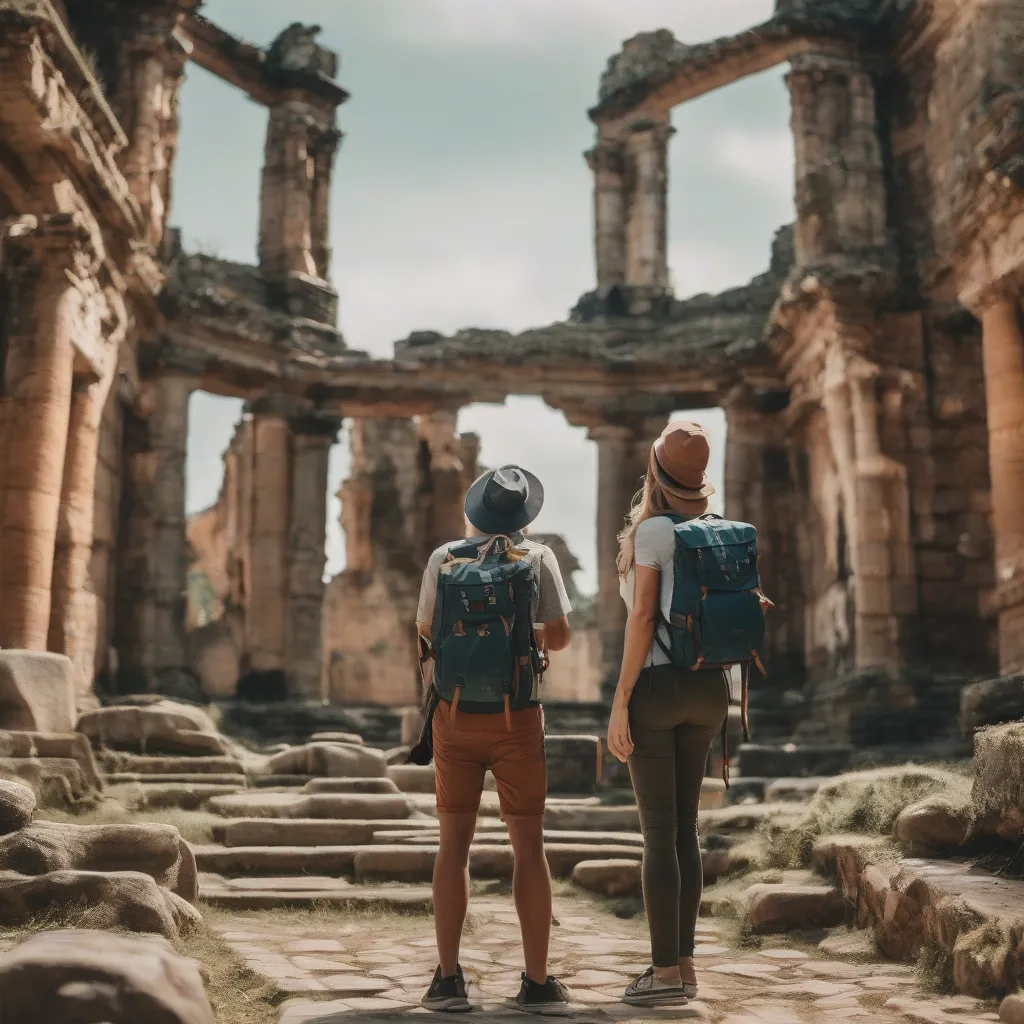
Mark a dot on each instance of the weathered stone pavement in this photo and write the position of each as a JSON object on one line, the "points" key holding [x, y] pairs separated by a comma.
{"points": [[337, 970]]}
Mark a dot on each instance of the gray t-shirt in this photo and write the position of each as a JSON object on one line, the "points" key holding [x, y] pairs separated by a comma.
{"points": [[656, 549], [552, 601]]}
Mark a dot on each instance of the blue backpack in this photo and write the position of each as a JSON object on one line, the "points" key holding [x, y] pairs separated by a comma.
{"points": [[717, 612], [483, 643]]}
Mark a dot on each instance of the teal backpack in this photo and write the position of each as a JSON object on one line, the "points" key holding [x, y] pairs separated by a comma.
{"points": [[485, 651], [717, 613]]}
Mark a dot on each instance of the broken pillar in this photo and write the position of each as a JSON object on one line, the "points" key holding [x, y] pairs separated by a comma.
{"points": [[311, 444], [443, 480]]}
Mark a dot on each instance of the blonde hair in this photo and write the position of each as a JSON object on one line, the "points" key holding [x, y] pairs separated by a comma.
{"points": [[650, 501]]}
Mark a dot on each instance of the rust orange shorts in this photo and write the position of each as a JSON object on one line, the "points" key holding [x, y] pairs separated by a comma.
{"points": [[467, 745]]}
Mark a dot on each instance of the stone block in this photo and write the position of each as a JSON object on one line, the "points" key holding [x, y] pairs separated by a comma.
{"points": [[792, 791], [17, 805], [160, 727], [574, 763], [94, 975], [412, 778], [998, 793], [37, 692], [784, 907], [337, 737], [933, 825], [793, 761], [312, 832], [608, 877], [330, 760], [350, 786]]}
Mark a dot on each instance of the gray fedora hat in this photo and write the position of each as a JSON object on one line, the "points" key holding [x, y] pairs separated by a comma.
{"points": [[504, 500]]}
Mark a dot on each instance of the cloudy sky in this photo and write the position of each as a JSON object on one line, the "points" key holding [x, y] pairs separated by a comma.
{"points": [[461, 197]]}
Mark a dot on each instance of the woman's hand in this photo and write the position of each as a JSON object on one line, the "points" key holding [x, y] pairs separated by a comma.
{"points": [[620, 742]]}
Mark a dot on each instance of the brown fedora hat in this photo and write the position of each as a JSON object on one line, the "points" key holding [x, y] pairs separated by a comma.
{"points": [[679, 461]]}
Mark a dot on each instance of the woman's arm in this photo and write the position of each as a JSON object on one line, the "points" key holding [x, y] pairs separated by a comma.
{"points": [[640, 627]]}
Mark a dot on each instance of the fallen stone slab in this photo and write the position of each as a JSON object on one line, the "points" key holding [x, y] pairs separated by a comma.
{"points": [[792, 760], [71, 746], [382, 785], [784, 907], [310, 831], [78, 975], [185, 796], [608, 877], [972, 915], [746, 790], [161, 727], [111, 901], [17, 805], [150, 848], [37, 692], [408, 899], [792, 791], [359, 806], [330, 760], [337, 737], [113, 761], [56, 781]]}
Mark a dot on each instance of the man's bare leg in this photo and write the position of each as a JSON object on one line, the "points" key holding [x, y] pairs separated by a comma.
{"points": [[531, 889], [451, 887]]}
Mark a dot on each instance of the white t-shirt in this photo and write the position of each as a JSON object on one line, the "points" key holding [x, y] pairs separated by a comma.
{"points": [[656, 549]]}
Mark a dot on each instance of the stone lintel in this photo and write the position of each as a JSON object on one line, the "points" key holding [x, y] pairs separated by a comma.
{"points": [[277, 405], [248, 67]]}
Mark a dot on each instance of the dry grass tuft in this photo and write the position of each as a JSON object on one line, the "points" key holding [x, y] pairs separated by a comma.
{"points": [[866, 802]]}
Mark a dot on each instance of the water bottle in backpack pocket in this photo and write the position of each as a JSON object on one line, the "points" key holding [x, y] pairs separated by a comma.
{"points": [[483, 641]]}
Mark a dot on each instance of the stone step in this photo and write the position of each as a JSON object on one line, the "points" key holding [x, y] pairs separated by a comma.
{"points": [[411, 899], [792, 760], [282, 781], [191, 797], [125, 778], [312, 831], [772, 908], [970, 914], [143, 764], [350, 786], [361, 806], [391, 863], [424, 836]]}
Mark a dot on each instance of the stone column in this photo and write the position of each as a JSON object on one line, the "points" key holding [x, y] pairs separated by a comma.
{"points": [[647, 224], [266, 618], [151, 589], [74, 616], [311, 445], [840, 178], [446, 484], [45, 311], [1003, 352], [607, 160], [325, 148], [286, 241], [623, 452]]}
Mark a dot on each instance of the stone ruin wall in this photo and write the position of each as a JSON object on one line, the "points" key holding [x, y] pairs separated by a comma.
{"points": [[874, 423]]}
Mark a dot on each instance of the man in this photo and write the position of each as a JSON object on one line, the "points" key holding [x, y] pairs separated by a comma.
{"points": [[467, 742]]}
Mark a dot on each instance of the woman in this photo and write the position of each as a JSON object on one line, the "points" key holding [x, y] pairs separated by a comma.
{"points": [[665, 719]]}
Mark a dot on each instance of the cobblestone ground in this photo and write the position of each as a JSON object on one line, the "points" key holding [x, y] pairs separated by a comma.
{"points": [[378, 969]]}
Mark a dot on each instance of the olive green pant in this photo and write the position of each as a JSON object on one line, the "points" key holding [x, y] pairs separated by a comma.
{"points": [[674, 717]]}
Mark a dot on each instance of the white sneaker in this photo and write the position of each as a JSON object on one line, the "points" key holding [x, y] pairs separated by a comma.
{"points": [[647, 990]]}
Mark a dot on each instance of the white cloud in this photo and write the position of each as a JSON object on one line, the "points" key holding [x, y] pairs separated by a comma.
{"points": [[762, 158], [535, 23]]}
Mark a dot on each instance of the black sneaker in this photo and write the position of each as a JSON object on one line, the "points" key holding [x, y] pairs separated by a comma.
{"points": [[447, 995], [550, 999]]}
